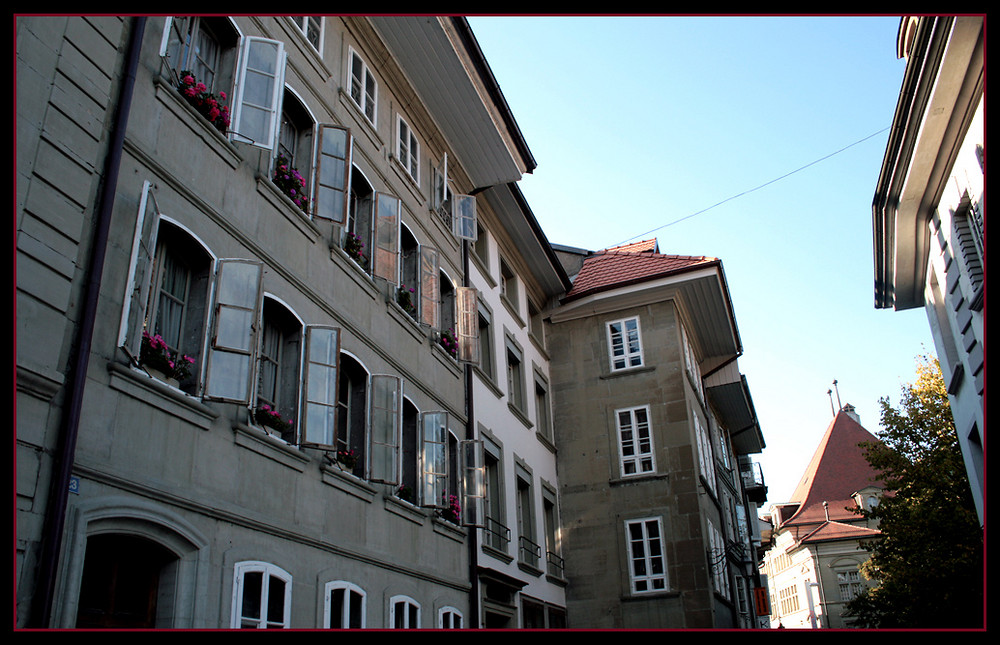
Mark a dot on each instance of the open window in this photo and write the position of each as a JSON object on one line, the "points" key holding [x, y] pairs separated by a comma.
{"points": [[163, 320], [385, 428], [280, 347], [257, 95], [429, 308], [320, 394], [333, 173], [352, 414], [434, 459], [467, 325], [236, 310], [386, 237], [407, 149], [357, 235], [205, 46], [294, 154], [409, 448]]}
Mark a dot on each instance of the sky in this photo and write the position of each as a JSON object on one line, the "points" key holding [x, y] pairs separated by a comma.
{"points": [[757, 140]]}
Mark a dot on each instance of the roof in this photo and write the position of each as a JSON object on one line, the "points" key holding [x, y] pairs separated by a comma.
{"points": [[838, 469], [830, 531], [629, 264]]}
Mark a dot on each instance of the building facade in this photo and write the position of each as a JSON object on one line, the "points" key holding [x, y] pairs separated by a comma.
{"points": [[243, 379], [655, 421], [815, 551], [929, 212]]}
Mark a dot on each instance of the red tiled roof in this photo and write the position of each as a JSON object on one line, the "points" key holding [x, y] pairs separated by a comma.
{"points": [[839, 531], [629, 264], [837, 470]]}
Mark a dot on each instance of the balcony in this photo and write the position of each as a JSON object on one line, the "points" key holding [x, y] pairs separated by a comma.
{"points": [[497, 535], [753, 482]]}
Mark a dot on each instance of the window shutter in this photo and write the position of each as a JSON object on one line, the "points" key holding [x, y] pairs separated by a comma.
{"points": [[463, 217], [440, 187], [467, 299], [140, 274], [386, 427], [234, 338], [473, 483], [386, 245], [333, 172], [430, 278], [434, 459], [319, 395], [259, 85]]}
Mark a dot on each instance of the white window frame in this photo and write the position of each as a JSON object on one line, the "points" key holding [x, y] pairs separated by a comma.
{"points": [[303, 27], [404, 602], [635, 452], [620, 354], [705, 460], [269, 136], [345, 613], [268, 571], [450, 618], [407, 148], [365, 101], [652, 581]]}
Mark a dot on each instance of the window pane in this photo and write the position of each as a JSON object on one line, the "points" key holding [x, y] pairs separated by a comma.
{"points": [[252, 581]]}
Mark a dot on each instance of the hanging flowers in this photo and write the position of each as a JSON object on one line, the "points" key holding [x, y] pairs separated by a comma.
{"points": [[157, 355], [209, 105], [290, 182]]}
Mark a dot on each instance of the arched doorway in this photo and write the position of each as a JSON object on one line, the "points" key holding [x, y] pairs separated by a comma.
{"points": [[122, 578]]}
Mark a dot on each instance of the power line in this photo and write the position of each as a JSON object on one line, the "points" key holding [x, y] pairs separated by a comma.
{"points": [[765, 184]]}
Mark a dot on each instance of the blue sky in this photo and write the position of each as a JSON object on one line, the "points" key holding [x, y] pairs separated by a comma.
{"points": [[757, 140]]}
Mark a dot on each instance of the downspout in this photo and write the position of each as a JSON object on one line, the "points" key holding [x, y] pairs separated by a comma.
{"points": [[55, 515], [470, 433]]}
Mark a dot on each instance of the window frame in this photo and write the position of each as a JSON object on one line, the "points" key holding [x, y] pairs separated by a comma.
{"points": [[407, 149], [412, 608], [635, 454], [628, 358], [304, 30], [218, 349], [446, 618], [349, 588], [516, 392], [363, 102], [311, 390], [648, 557], [268, 571], [272, 108], [274, 318]]}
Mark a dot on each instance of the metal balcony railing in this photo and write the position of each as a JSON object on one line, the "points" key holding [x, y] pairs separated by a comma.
{"points": [[528, 552], [555, 564], [497, 535]]}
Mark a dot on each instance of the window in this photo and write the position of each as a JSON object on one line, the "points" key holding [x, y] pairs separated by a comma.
{"points": [[293, 164], [407, 149], [508, 284], [788, 599], [278, 368], [363, 89], [333, 173], [166, 291], [404, 613], [202, 45], [344, 606], [441, 192], [259, 83], [543, 412], [704, 451], [434, 459], [233, 340], [410, 453], [635, 441], [262, 596], [717, 560], [528, 551], [497, 534], [535, 324], [691, 365], [515, 375], [385, 418], [625, 344], [473, 482], [351, 411], [467, 325], [409, 271], [849, 583], [312, 28], [446, 303], [554, 563], [385, 237], [482, 246], [321, 394], [648, 571], [486, 351], [449, 618], [357, 239]]}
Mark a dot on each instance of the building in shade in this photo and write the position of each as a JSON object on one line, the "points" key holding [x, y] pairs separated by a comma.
{"points": [[929, 212]]}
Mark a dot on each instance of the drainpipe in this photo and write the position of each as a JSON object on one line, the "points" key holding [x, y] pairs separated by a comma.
{"points": [[470, 433], [55, 515]]}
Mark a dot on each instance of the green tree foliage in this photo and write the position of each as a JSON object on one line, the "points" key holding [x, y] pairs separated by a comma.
{"points": [[929, 563]]}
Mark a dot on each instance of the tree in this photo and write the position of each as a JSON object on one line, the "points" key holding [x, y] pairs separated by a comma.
{"points": [[929, 563]]}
